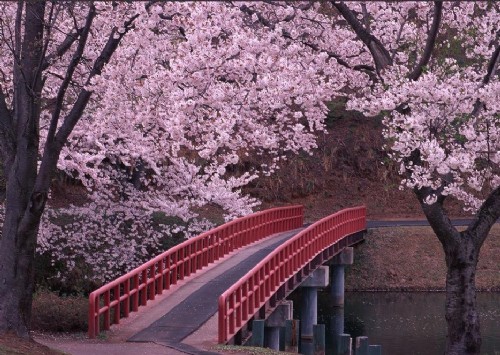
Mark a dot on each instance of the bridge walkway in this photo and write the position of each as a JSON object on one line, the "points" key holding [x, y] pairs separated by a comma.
{"points": [[182, 320], [200, 304]]}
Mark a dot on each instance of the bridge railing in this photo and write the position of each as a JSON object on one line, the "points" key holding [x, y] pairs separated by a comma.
{"points": [[242, 300], [127, 293]]}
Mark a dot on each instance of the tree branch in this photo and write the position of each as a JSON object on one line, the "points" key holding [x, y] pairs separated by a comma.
{"points": [[16, 74], [76, 112], [246, 10], [7, 143], [54, 146], [75, 60], [491, 71], [488, 214], [368, 69], [437, 217], [381, 56], [430, 43], [61, 49], [492, 65], [398, 37]]}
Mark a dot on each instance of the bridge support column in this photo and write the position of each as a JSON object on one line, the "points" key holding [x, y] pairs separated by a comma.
{"points": [[309, 309], [292, 335], [337, 268], [275, 322]]}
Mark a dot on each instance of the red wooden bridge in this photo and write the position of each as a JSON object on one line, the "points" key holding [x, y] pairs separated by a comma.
{"points": [[254, 294]]}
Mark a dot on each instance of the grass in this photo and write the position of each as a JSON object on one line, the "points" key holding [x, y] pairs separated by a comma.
{"points": [[412, 259], [12, 345]]}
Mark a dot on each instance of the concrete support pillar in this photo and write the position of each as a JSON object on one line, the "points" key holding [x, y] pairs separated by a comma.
{"points": [[375, 349], [344, 345], [258, 333], [319, 339], [275, 322], [337, 284], [283, 337], [306, 346], [337, 268], [309, 309], [272, 338], [292, 335], [362, 345], [336, 326]]}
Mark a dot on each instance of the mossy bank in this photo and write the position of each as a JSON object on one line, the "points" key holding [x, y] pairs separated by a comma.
{"points": [[411, 259]]}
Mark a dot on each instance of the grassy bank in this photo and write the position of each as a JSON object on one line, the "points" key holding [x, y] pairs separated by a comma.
{"points": [[411, 259]]}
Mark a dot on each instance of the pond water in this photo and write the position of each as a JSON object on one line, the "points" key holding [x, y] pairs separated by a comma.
{"points": [[403, 323]]}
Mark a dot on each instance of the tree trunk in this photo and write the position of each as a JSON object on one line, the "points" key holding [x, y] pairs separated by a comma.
{"points": [[23, 207], [463, 335], [17, 249], [462, 255]]}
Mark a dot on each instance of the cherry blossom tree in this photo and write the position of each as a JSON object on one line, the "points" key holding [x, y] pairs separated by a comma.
{"points": [[198, 93], [151, 106], [437, 85]]}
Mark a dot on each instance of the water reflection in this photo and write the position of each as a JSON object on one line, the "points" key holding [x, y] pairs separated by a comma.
{"points": [[403, 323]]}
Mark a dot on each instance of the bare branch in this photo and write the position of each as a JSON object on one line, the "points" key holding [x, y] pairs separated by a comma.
{"points": [[491, 71], [76, 112], [398, 37], [380, 55], [437, 217], [75, 60], [61, 49], [7, 143], [488, 214], [265, 22], [366, 18], [430, 43], [48, 26]]}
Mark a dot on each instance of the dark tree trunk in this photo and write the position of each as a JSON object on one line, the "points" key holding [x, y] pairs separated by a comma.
{"points": [[461, 249], [27, 184], [463, 336], [462, 255], [23, 207], [17, 249]]}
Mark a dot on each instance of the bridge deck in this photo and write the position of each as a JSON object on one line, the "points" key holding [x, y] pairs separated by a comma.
{"points": [[189, 306]]}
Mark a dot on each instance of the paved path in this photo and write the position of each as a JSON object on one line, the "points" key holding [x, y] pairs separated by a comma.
{"points": [[411, 223]]}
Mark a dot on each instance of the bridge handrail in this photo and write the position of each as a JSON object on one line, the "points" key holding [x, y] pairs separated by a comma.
{"points": [[126, 293], [240, 302]]}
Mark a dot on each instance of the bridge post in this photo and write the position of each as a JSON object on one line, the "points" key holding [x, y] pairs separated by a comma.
{"points": [[276, 321], [336, 326], [258, 332], [292, 335], [319, 340], [344, 345], [337, 268], [374, 350], [309, 309], [362, 345]]}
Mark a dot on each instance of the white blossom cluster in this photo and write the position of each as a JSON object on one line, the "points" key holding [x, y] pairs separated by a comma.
{"points": [[444, 142], [193, 90], [196, 89]]}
